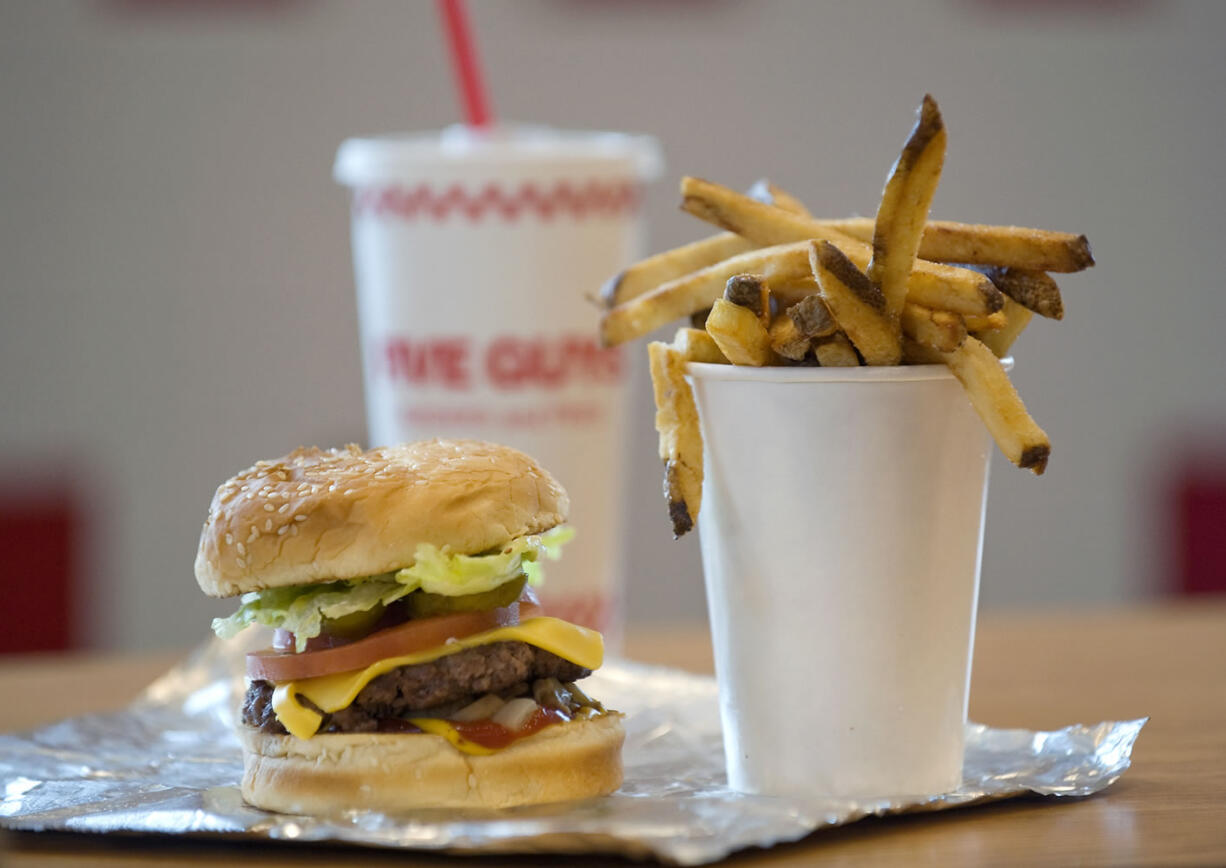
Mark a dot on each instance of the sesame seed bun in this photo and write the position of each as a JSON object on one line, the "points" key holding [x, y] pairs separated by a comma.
{"points": [[399, 772], [320, 515]]}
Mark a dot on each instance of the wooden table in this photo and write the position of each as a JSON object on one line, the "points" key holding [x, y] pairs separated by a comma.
{"points": [[1040, 671]]}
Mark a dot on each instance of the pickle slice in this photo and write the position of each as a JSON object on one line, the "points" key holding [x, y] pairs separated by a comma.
{"points": [[354, 625], [423, 605]]}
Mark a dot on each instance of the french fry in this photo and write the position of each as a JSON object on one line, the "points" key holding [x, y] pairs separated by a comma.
{"points": [[787, 341], [812, 317], [856, 304], [803, 298], [680, 436], [795, 291], [938, 329], [836, 352], [750, 291], [915, 353], [998, 405], [980, 244], [695, 292], [942, 287], [1036, 290], [985, 323], [764, 191], [739, 333], [649, 273], [695, 345], [904, 208], [1001, 339]]}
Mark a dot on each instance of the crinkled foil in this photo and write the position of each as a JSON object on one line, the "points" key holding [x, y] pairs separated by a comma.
{"points": [[169, 764]]}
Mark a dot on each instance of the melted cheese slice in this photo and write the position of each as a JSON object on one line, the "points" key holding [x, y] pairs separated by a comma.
{"points": [[446, 730], [330, 693]]}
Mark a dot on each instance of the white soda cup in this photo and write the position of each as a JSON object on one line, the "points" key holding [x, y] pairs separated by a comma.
{"points": [[474, 253], [841, 528]]}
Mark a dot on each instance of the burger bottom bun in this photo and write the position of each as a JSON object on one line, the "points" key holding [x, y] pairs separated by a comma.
{"points": [[400, 772]]}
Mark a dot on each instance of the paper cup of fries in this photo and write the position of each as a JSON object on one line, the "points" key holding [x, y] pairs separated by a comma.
{"points": [[826, 419], [472, 252], [841, 530]]}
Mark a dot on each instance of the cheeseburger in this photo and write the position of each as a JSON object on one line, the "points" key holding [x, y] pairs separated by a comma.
{"points": [[411, 664]]}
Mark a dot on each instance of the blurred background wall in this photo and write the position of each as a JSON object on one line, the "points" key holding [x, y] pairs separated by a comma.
{"points": [[176, 296]]}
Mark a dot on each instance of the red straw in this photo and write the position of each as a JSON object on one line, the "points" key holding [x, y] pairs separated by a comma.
{"points": [[464, 59]]}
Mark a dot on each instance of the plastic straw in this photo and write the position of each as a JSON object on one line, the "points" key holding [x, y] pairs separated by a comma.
{"points": [[473, 93]]}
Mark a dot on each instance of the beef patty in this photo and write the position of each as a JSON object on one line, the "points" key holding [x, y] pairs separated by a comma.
{"points": [[452, 680]]}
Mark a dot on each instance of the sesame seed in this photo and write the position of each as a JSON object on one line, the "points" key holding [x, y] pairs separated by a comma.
{"points": [[242, 562], [349, 491], [282, 475], [293, 530], [255, 533], [300, 518], [268, 507], [282, 529], [268, 525], [242, 549], [283, 508], [229, 539]]}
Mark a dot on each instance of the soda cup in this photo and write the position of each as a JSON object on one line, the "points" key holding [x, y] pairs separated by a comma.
{"points": [[475, 255], [841, 531]]}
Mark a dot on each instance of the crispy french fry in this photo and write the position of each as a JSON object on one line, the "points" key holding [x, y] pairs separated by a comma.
{"points": [[942, 287], [985, 323], [938, 329], [1001, 339], [695, 345], [856, 304], [998, 405], [836, 352], [649, 273], [1036, 290], [764, 191], [695, 292], [790, 294], [795, 291], [904, 207], [812, 317], [977, 243], [787, 341], [680, 436], [739, 333], [915, 353], [750, 291]]}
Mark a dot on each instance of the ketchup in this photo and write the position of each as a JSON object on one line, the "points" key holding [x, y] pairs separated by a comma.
{"points": [[494, 735]]}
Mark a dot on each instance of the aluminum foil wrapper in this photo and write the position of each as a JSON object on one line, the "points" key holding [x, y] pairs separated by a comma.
{"points": [[170, 765]]}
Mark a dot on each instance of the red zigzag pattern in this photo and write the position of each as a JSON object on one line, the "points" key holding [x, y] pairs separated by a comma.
{"points": [[563, 199]]}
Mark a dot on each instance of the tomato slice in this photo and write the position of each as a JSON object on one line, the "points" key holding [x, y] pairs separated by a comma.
{"points": [[408, 637]]}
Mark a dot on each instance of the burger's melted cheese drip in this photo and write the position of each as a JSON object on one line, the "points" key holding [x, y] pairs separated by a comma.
{"points": [[329, 693]]}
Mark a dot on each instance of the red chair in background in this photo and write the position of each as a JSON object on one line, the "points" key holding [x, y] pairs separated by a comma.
{"points": [[1198, 507], [40, 563]]}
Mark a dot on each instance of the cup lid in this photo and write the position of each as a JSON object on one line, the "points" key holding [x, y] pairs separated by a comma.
{"points": [[373, 159]]}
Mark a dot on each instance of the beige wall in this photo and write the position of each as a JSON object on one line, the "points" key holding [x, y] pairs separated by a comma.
{"points": [[176, 289]]}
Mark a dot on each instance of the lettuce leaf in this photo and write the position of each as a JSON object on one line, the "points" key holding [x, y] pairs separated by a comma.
{"points": [[302, 609]]}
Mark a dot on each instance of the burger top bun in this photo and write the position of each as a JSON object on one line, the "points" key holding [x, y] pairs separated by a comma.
{"points": [[320, 515]]}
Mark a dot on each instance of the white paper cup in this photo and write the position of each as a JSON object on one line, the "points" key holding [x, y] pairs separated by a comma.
{"points": [[473, 254], [841, 529]]}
